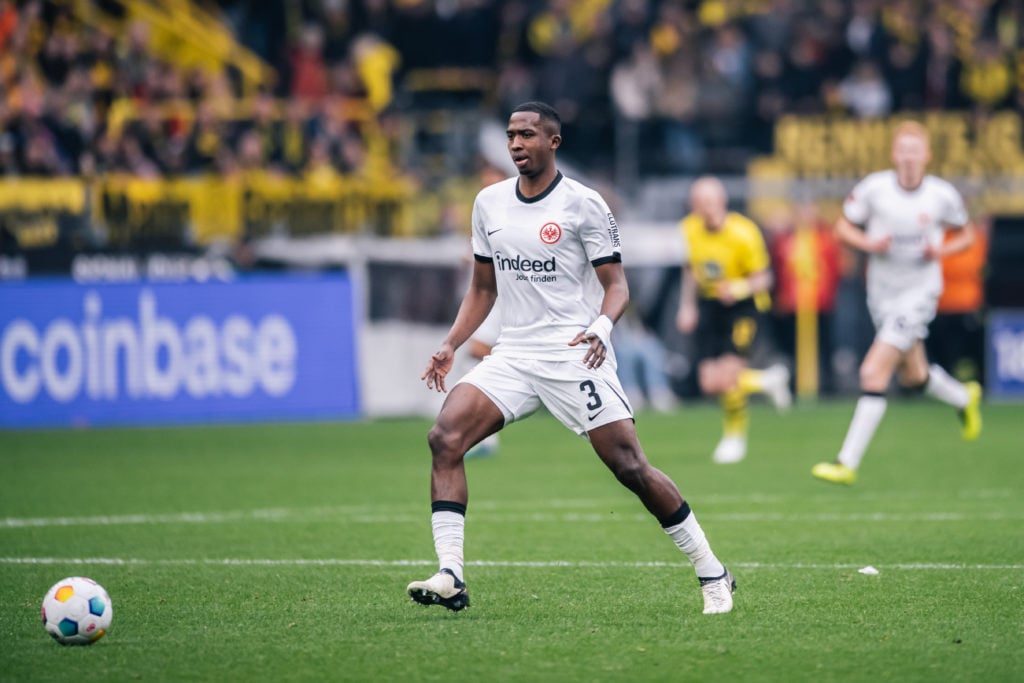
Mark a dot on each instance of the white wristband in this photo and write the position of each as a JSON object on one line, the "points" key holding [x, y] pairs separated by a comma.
{"points": [[602, 329]]}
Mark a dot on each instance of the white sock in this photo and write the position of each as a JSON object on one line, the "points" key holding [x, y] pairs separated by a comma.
{"points": [[866, 418], [449, 534], [945, 388], [690, 538]]}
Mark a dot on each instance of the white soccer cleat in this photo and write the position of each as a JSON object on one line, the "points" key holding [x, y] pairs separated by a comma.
{"points": [[776, 386], [732, 448], [718, 593], [440, 589]]}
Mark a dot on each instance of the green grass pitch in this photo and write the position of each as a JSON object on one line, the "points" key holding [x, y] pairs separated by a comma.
{"points": [[281, 552]]}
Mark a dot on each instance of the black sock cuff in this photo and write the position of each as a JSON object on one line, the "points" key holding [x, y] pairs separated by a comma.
{"points": [[877, 394], [448, 506], [676, 517]]}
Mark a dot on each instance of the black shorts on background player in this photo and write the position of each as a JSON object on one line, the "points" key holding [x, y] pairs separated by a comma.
{"points": [[723, 329]]}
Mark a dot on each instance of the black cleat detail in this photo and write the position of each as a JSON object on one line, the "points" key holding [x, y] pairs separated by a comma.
{"points": [[457, 602], [709, 579]]}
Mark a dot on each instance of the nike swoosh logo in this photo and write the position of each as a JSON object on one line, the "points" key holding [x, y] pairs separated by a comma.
{"points": [[491, 232], [591, 417]]}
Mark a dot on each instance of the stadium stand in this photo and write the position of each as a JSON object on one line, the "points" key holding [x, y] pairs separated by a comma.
{"points": [[186, 125]]}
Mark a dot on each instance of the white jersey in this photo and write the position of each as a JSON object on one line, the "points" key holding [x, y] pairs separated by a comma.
{"points": [[488, 331], [544, 250], [914, 219]]}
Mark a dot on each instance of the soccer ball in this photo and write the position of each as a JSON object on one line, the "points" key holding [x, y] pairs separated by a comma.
{"points": [[77, 611]]}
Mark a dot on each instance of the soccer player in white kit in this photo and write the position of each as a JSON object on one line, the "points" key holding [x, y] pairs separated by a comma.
{"points": [[547, 254], [899, 218]]}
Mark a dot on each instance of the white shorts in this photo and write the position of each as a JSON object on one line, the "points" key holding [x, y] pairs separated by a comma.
{"points": [[901, 319], [581, 398]]}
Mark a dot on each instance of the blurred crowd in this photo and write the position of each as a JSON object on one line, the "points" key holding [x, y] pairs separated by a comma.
{"points": [[684, 86], [78, 99], [693, 85]]}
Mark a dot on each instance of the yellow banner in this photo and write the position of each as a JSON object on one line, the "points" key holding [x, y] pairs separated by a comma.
{"points": [[36, 195], [137, 213], [820, 158]]}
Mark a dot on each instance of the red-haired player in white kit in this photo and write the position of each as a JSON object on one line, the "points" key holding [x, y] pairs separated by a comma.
{"points": [[899, 218]]}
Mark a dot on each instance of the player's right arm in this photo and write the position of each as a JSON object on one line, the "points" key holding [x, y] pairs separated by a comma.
{"points": [[477, 303], [686, 318], [857, 209], [857, 238]]}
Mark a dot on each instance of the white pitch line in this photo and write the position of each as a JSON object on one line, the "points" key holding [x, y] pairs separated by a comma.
{"points": [[364, 516], [118, 520], [518, 564], [565, 510]]}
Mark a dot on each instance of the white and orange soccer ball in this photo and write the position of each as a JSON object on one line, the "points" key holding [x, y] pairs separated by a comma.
{"points": [[77, 611]]}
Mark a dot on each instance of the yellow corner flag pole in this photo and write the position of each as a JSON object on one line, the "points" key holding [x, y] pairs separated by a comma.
{"points": [[807, 272]]}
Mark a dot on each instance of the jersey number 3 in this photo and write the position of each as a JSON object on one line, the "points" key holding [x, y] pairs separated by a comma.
{"points": [[595, 401]]}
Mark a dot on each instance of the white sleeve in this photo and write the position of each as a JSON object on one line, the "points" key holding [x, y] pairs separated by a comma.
{"points": [[956, 213], [481, 245], [856, 206], [599, 231]]}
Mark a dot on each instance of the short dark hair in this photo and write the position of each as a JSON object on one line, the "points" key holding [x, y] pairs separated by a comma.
{"points": [[547, 114]]}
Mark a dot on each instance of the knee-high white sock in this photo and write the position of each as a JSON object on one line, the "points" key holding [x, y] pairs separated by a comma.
{"points": [[866, 418], [945, 388], [684, 530], [449, 526]]}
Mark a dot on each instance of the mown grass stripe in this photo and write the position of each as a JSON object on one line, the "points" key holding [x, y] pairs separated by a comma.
{"points": [[284, 515], [538, 564]]}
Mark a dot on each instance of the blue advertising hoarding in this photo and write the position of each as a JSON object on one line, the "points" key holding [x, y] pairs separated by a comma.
{"points": [[1005, 360], [261, 348]]}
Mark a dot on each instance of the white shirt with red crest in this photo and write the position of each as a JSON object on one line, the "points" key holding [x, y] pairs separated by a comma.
{"points": [[544, 250], [913, 218]]}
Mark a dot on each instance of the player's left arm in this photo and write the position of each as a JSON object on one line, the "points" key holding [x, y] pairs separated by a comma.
{"points": [[754, 256], [599, 235], [962, 240], [954, 217], [612, 277], [739, 288]]}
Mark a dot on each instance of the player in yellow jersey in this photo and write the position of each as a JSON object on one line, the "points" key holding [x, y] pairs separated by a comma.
{"points": [[724, 291]]}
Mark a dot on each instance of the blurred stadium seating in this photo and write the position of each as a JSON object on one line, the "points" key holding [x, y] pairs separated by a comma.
{"points": [[380, 103], [231, 133]]}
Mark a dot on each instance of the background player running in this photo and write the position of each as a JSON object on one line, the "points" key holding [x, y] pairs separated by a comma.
{"points": [[899, 217], [724, 291]]}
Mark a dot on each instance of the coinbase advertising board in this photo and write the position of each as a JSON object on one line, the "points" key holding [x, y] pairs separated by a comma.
{"points": [[266, 348], [1005, 362]]}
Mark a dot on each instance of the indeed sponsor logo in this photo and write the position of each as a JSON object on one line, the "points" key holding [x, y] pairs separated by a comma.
{"points": [[520, 264], [911, 238], [150, 357]]}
